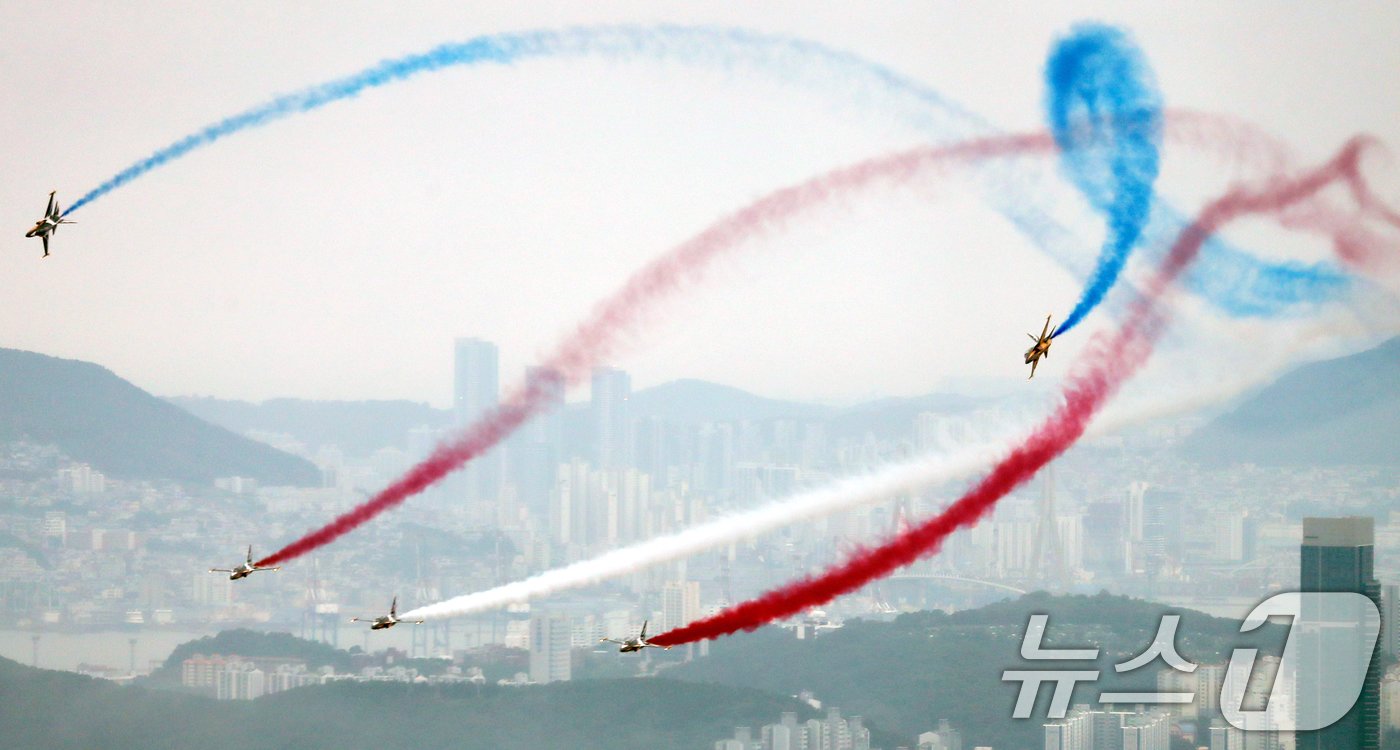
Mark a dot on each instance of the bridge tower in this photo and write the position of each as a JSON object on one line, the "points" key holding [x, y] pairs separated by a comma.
{"points": [[320, 618]]}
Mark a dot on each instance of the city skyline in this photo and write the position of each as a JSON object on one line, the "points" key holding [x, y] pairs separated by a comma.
{"points": [[658, 368]]}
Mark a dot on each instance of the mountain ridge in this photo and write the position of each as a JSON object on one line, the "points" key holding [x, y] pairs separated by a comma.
{"points": [[1341, 411], [96, 417]]}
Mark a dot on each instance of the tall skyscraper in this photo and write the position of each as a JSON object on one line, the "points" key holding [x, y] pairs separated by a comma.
{"points": [[680, 603], [612, 418], [1083, 729], [1390, 619], [476, 390], [533, 452], [551, 638], [1161, 529], [1338, 554]]}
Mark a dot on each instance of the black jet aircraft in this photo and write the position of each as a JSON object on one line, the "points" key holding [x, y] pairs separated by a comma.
{"points": [[53, 216], [634, 644], [384, 622], [1041, 347], [244, 570]]}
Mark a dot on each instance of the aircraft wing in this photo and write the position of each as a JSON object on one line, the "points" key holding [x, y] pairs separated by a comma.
{"points": [[45, 238], [48, 211], [1034, 362], [220, 570]]}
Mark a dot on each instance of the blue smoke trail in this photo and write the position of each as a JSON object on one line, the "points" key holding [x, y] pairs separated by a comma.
{"points": [[1235, 281], [1106, 115]]}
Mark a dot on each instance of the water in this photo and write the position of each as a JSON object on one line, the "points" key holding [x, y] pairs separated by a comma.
{"points": [[66, 650], [112, 648]]}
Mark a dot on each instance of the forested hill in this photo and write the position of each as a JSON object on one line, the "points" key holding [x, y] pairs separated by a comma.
{"points": [[906, 674], [63, 711], [96, 417]]}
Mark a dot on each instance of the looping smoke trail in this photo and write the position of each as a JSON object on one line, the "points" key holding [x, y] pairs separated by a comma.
{"points": [[1110, 362], [1239, 283], [1239, 141], [594, 339], [1106, 114], [600, 333]]}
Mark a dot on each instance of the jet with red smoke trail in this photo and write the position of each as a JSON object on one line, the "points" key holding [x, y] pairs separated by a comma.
{"points": [[634, 644], [1041, 347], [246, 569], [1112, 361]]}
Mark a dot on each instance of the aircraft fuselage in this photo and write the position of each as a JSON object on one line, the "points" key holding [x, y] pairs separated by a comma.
{"points": [[1037, 351], [41, 228]]}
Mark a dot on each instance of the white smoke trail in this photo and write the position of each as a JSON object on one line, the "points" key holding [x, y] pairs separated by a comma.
{"points": [[1250, 365]]}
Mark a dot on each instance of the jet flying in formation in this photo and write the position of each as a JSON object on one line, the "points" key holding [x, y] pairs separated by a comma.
{"points": [[634, 644], [1041, 347], [244, 570], [384, 622], [53, 216]]}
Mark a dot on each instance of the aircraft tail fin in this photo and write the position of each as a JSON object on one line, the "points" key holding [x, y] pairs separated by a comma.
{"points": [[394, 607]]}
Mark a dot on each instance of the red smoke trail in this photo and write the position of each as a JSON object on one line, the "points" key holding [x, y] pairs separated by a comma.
{"points": [[594, 340], [1112, 361]]}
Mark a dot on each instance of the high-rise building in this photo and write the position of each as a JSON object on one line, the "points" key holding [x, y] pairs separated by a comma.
{"points": [[1390, 702], [1150, 731], [1106, 538], [1222, 736], [1338, 554], [1390, 619], [680, 604], [534, 450], [1083, 729], [943, 738], [1161, 545], [611, 415], [475, 391], [551, 641]]}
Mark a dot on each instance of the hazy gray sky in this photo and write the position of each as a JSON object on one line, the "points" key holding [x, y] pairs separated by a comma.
{"points": [[337, 254]]}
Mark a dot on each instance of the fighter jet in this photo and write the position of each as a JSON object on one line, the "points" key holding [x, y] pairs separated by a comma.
{"points": [[53, 216], [244, 570], [1041, 348], [634, 644], [384, 622]]}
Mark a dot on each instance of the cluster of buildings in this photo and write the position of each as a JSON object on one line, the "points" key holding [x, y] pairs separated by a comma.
{"points": [[246, 678], [575, 481], [88, 551], [832, 732], [1086, 729], [1330, 644]]}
